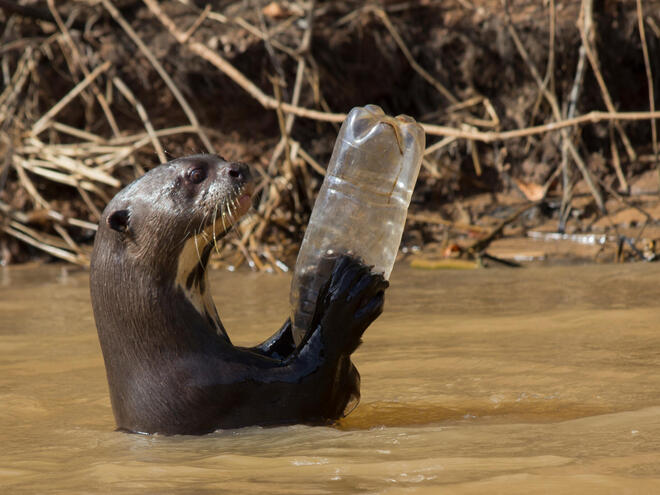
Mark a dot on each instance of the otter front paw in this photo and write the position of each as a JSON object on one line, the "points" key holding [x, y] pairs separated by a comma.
{"points": [[350, 301]]}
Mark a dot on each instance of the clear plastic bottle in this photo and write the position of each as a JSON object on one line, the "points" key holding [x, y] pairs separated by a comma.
{"points": [[362, 205]]}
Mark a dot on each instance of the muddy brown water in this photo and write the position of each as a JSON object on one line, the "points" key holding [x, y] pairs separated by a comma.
{"points": [[536, 380]]}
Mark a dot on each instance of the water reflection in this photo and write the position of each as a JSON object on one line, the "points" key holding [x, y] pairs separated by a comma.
{"points": [[495, 381]]}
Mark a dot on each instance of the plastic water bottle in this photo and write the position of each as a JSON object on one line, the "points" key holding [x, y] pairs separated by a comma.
{"points": [[362, 205]]}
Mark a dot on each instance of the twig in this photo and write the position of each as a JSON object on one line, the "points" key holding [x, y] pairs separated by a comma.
{"points": [[303, 49], [96, 213], [28, 185], [12, 6], [649, 79], [239, 21], [654, 26], [411, 60], [67, 179], [57, 252], [439, 145], [621, 199], [116, 15], [552, 100], [435, 218], [593, 61], [75, 167], [305, 43], [494, 121], [288, 126], [436, 130], [72, 131], [310, 161], [233, 73], [573, 96], [6, 163], [74, 50], [128, 94], [431, 168], [182, 129], [616, 161], [285, 135], [24, 218], [18, 79], [300, 72], [548, 80], [198, 22], [269, 49], [493, 136], [67, 238], [475, 157], [481, 244], [40, 125]]}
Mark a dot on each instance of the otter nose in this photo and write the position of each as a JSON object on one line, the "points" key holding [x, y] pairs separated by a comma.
{"points": [[240, 172]]}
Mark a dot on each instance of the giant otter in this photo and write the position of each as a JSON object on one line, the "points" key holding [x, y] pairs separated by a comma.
{"points": [[170, 365]]}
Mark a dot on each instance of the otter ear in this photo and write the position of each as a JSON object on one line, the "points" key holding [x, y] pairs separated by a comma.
{"points": [[119, 220]]}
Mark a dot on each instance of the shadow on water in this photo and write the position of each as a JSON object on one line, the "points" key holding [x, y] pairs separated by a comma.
{"points": [[389, 414]]}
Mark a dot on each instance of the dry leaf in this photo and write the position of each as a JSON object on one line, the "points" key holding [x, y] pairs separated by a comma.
{"points": [[533, 192], [275, 10], [451, 250]]}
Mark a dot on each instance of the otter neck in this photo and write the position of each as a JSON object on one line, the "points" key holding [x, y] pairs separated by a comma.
{"points": [[192, 280], [142, 304]]}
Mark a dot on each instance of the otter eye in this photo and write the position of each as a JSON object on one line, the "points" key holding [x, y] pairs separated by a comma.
{"points": [[196, 175]]}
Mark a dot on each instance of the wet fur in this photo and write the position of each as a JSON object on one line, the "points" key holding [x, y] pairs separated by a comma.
{"points": [[170, 364]]}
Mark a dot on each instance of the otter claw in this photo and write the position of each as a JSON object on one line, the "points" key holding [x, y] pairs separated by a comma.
{"points": [[373, 308], [350, 301], [345, 281]]}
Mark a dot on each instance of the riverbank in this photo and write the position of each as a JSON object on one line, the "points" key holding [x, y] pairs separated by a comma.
{"points": [[539, 116]]}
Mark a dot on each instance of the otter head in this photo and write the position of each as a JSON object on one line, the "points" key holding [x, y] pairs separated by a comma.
{"points": [[158, 232], [196, 198]]}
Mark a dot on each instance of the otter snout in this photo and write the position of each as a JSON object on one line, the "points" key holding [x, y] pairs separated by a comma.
{"points": [[240, 174], [240, 177], [238, 171]]}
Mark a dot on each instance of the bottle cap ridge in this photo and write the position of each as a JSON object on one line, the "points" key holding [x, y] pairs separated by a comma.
{"points": [[373, 155]]}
